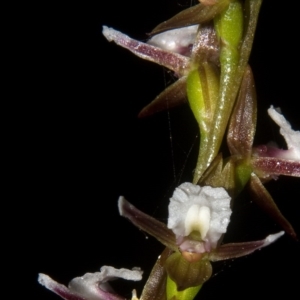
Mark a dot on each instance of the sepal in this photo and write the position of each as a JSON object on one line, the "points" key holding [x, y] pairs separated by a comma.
{"points": [[268, 167], [292, 137], [150, 225], [234, 250], [197, 14], [171, 60], [173, 95], [269, 161], [263, 199], [243, 119]]}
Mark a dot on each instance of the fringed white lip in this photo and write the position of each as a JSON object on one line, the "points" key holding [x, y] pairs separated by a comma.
{"points": [[202, 209]]}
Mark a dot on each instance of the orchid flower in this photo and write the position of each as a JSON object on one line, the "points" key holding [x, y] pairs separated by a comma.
{"points": [[91, 286], [198, 217], [205, 210]]}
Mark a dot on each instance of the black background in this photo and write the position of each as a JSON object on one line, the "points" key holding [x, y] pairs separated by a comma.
{"points": [[82, 145]]}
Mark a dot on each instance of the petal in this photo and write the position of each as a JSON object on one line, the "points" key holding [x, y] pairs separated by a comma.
{"points": [[148, 224], [265, 167], [91, 286], [173, 61], [291, 137], [228, 251], [178, 40], [57, 288]]}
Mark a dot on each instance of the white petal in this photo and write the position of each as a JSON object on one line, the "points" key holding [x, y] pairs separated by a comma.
{"points": [[176, 39], [272, 238], [291, 136], [47, 282], [88, 285]]}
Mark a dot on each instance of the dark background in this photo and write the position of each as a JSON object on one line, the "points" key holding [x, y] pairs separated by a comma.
{"points": [[82, 146]]}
